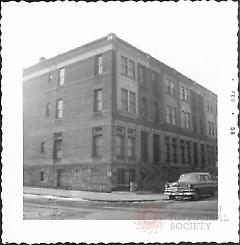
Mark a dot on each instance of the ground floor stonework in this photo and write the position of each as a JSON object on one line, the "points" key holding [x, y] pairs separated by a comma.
{"points": [[85, 177]]}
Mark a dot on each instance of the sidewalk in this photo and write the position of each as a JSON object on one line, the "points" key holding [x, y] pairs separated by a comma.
{"points": [[94, 196]]}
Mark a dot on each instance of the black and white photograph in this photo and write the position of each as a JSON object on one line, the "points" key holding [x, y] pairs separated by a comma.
{"points": [[120, 122]]}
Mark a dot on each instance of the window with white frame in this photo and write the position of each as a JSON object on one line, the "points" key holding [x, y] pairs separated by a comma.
{"points": [[124, 99], [141, 74], [128, 100], [124, 68], [57, 147], [61, 76], [99, 65], [59, 109], [131, 68], [184, 94], [98, 100], [186, 119], [211, 129], [97, 142], [171, 115], [170, 87]]}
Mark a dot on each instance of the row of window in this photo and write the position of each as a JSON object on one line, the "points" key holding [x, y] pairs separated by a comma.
{"points": [[128, 97], [174, 150], [61, 71], [128, 69], [61, 77], [128, 103], [59, 105]]}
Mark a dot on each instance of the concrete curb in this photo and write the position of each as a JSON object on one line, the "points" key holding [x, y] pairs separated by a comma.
{"points": [[45, 195]]}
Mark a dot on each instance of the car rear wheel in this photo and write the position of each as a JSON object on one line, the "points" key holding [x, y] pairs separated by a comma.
{"points": [[195, 197], [171, 197]]}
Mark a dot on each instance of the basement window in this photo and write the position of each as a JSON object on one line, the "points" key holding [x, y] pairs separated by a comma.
{"points": [[41, 176], [42, 150]]}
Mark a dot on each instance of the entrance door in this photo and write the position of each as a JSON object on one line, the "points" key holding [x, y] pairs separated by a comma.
{"points": [[61, 178]]}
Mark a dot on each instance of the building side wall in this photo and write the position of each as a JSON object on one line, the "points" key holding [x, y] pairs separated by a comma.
{"points": [[77, 122]]}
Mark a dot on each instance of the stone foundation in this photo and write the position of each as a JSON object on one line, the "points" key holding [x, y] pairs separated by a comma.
{"points": [[83, 177]]}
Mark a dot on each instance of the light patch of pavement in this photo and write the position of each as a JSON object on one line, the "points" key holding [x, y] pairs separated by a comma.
{"points": [[35, 196]]}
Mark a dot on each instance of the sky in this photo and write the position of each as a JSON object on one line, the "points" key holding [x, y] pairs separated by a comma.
{"points": [[186, 36]]}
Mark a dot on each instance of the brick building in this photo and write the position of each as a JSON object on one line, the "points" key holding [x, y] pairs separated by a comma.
{"points": [[106, 113]]}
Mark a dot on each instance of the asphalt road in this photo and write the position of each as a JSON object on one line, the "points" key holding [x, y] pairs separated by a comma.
{"points": [[36, 207]]}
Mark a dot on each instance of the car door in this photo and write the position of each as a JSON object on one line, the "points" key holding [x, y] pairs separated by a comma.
{"points": [[202, 186], [210, 186]]}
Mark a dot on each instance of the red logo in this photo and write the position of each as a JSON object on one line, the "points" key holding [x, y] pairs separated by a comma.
{"points": [[149, 219]]}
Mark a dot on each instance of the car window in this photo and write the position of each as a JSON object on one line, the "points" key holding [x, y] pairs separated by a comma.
{"points": [[189, 177], [207, 178], [202, 178]]}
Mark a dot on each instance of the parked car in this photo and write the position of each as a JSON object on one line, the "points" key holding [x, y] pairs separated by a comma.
{"points": [[191, 185]]}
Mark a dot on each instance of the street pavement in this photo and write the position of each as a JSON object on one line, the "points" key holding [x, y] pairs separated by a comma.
{"points": [[64, 204]]}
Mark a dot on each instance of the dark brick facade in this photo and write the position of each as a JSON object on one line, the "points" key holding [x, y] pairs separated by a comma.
{"points": [[78, 168]]}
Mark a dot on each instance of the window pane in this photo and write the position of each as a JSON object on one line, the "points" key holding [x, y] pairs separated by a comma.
{"points": [[167, 149], [98, 100], [119, 145], [98, 145], [59, 108], [99, 60], [168, 112], [167, 86], [132, 102], [131, 68], [60, 104], [124, 99], [153, 76], [61, 76], [130, 147], [184, 119], [174, 116], [123, 65], [57, 149], [188, 120], [172, 88], [181, 93]]}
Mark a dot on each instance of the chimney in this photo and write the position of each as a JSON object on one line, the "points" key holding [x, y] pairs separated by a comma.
{"points": [[111, 36], [41, 59]]}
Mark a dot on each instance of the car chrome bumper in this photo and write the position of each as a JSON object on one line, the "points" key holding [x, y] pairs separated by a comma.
{"points": [[179, 193]]}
